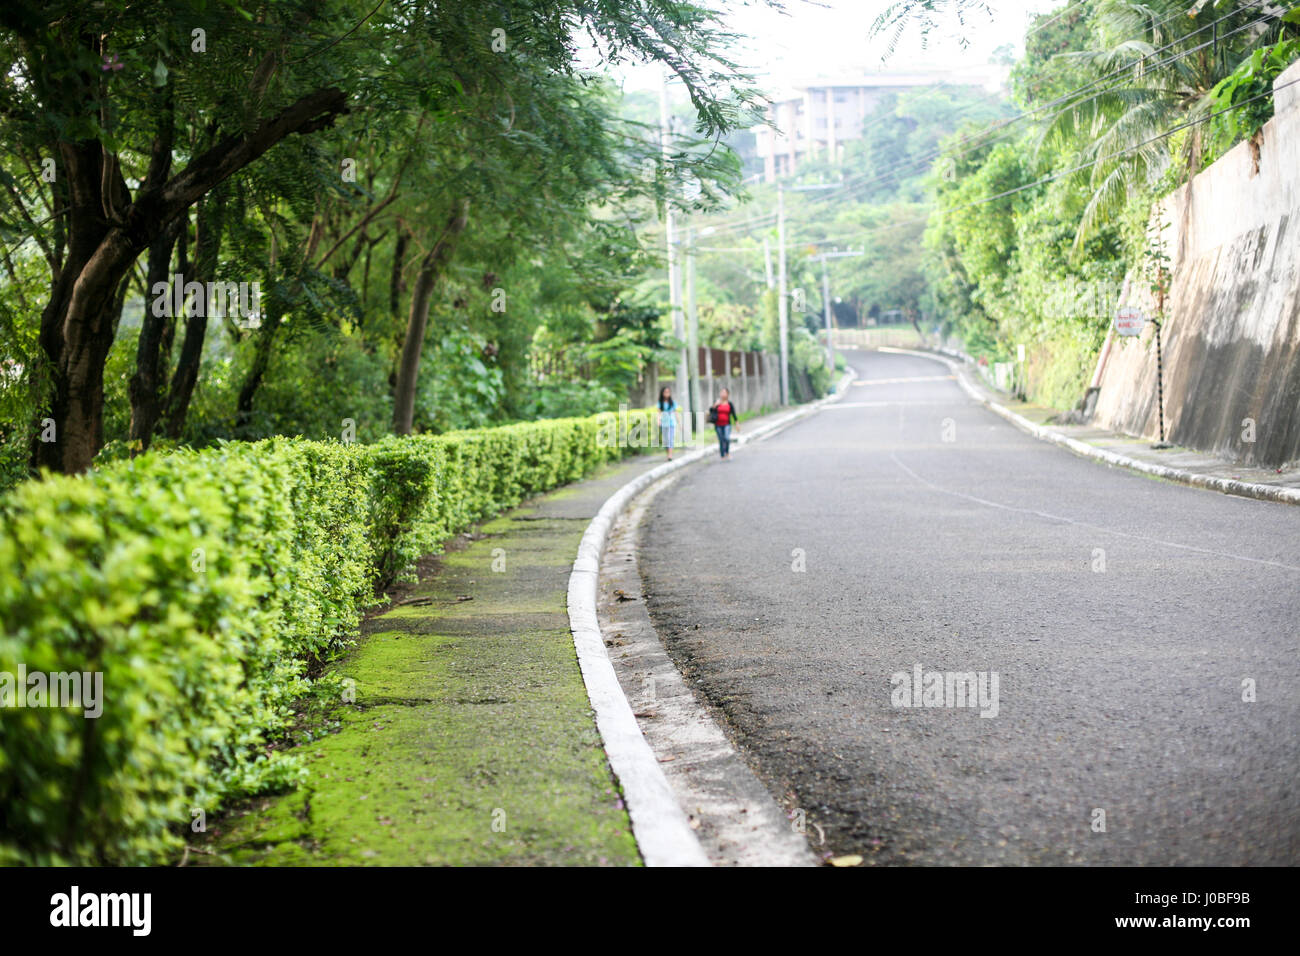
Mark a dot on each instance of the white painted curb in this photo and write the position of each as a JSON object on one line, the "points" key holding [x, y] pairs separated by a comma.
{"points": [[662, 830], [1228, 486]]}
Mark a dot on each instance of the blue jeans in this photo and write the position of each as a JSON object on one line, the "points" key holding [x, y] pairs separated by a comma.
{"points": [[724, 439]]}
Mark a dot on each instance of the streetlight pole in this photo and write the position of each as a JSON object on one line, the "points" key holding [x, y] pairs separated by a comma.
{"points": [[825, 258], [693, 323], [783, 309], [681, 384], [826, 310], [783, 306]]}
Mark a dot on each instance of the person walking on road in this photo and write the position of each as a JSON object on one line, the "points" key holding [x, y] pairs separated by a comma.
{"points": [[667, 419], [723, 416]]}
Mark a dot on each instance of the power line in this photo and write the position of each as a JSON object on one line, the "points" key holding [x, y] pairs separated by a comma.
{"points": [[1058, 174], [979, 143], [1038, 27], [979, 139], [1066, 172]]}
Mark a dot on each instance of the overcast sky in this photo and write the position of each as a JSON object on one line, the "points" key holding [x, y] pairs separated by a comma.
{"points": [[823, 39]]}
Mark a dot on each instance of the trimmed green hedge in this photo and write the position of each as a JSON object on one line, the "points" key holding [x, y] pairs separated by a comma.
{"points": [[206, 587]]}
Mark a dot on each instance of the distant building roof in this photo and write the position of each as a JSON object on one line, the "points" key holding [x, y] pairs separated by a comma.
{"points": [[990, 75]]}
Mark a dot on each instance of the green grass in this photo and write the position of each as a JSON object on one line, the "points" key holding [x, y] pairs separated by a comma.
{"points": [[471, 739]]}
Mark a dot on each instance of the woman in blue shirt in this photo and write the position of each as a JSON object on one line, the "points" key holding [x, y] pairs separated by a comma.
{"points": [[667, 419]]}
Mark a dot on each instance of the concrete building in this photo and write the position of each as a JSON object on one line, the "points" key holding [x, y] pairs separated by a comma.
{"points": [[818, 118]]}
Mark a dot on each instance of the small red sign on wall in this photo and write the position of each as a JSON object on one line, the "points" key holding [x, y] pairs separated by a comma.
{"points": [[1129, 321]]}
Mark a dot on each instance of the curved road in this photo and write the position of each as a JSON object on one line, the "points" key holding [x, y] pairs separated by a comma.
{"points": [[1125, 618]]}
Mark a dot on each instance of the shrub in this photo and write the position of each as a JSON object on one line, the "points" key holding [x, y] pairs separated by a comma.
{"points": [[207, 587]]}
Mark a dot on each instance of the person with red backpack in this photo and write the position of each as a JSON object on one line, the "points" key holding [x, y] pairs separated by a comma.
{"points": [[722, 416]]}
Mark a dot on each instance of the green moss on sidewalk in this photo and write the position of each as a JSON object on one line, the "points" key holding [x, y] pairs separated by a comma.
{"points": [[471, 740]]}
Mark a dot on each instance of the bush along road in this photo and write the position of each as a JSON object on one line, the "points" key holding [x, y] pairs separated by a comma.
{"points": [[207, 593], [467, 736]]}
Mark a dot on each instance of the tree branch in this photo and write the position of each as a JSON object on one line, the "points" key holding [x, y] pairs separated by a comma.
{"points": [[31, 224], [310, 113]]}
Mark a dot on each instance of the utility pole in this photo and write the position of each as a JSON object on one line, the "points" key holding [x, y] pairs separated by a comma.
{"points": [[767, 261], [693, 323], [783, 306], [825, 257], [826, 309], [681, 386]]}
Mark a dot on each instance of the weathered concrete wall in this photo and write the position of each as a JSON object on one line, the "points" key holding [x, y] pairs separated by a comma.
{"points": [[1232, 328]]}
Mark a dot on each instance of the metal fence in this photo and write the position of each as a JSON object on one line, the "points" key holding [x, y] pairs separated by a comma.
{"points": [[896, 336], [753, 380]]}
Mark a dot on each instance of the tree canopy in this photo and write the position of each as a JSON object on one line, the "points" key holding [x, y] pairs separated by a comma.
{"points": [[351, 168]]}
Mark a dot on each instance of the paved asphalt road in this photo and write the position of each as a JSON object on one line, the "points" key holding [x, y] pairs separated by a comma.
{"points": [[1121, 615]]}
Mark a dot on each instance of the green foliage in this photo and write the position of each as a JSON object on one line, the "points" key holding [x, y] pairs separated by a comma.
{"points": [[619, 359], [566, 399], [974, 242], [1033, 237], [372, 123], [1151, 67], [207, 588], [808, 358], [726, 325], [1049, 41], [1246, 94], [874, 201], [901, 127], [895, 280], [1061, 364], [464, 389], [23, 385], [573, 377]]}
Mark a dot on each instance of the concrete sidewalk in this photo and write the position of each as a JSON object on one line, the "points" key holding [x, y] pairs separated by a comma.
{"points": [[471, 740], [1184, 465], [1185, 459]]}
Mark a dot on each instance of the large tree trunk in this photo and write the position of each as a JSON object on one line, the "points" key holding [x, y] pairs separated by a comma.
{"points": [[78, 322], [431, 267], [395, 284], [208, 230], [154, 347], [186, 375], [106, 232], [257, 371]]}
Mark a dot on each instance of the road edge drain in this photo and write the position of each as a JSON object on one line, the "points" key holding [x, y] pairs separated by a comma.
{"points": [[735, 817], [1227, 486], [662, 829]]}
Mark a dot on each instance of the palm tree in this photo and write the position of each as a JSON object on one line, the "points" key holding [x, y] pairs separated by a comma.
{"points": [[1156, 63]]}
